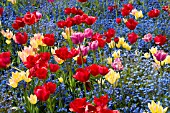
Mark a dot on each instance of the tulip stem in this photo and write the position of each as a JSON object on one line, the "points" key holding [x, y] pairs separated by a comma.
{"points": [[85, 89], [101, 85]]}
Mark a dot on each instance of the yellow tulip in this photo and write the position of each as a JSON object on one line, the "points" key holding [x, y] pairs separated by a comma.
{"points": [[13, 83], [17, 76], [138, 14], [121, 41], [116, 54], [118, 45], [153, 50], [147, 55], [8, 41], [156, 108], [25, 77], [109, 60], [60, 79], [111, 44], [112, 76], [13, 1], [167, 60], [32, 99], [68, 32]]}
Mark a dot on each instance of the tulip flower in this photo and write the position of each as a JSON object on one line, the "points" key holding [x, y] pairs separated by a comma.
{"points": [[156, 108], [1, 11], [90, 20], [160, 40], [50, 1], [131, 24], [160, 55], [20, 38], [103, 70], [82, 75], [42, 93], [153, 50], [93, 45], [4, 59], [93, 69], [112, 76], [82, 0], [77, 38], [49, 39], [117, 65], [32, 99], [88, 33], [116, 54], [50, 87], [54, 67], [41, 73], [118, 20], [132, 37], [111, 44], [60, 79], [147, 37], [147, 55], [153, 13], [84, 50], [127, 8]]}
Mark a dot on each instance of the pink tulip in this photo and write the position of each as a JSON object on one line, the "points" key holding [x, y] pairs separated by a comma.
{"points": [[84, 50], [77, 38], [147, 37], [50, 0], [93, 45], [160, 55], [117, 64], [88, 33]]}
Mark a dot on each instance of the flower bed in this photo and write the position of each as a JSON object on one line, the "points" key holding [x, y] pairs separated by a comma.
{"points": [[85, 56]]}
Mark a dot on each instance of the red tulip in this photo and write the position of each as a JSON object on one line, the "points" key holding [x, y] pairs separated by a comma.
{"points": [[82, 0], [153, 13], [116, 39], [101, 42], [38, 15], [31, 61], [78, 105], [74, 52], [110, 33], [127, 8], [67, 11], [118, 20], [79, 12], [42, 93], [132, 37], [63, 53], [94, 69], [77, 19], [49, 39], [110, 8], [165, 8], [21, 38], [90, 20], [4, 59], [18, 23], [82, 75], [61, 24], [41, 73], [74, 10], [160, 40], [1, 11], [103, 70], [96, 36], [131, 24], [50, 87], [45, 56], [54, 67], [101, 102], [79, 60], [29, 18]]}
